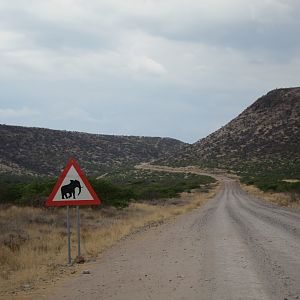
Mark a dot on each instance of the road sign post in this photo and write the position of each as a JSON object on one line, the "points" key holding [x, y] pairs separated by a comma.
{"points": [[69, 235], [73, 189], [78, 231]]}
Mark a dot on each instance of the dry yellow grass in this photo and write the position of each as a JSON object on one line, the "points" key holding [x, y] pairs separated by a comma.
{"points": [[33, 243], [282, 199]]}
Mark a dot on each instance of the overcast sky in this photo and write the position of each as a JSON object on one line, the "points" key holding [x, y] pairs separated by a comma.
{"points": [[143, 67]]}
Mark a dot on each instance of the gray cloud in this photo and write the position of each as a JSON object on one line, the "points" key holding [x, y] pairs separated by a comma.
{"points": [[147, 68]]}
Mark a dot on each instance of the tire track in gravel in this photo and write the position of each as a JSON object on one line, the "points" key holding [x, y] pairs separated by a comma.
{"points": [[234, 247]]}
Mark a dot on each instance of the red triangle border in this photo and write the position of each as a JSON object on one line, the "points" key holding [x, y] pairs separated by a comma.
{"points": [[77, 202]]}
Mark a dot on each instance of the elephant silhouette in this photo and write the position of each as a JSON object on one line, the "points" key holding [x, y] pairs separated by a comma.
{"points": [[68, 190]]}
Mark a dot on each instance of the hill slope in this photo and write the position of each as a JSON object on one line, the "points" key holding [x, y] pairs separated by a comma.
{"points": [[26, 150], [266, 136]]}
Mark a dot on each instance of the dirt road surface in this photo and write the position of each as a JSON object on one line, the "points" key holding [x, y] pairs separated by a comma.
{"points": [[234, 247]]}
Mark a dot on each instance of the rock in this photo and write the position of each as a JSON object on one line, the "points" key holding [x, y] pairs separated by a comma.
{"points": [[80, 260], [86, 272], [26, 286]]}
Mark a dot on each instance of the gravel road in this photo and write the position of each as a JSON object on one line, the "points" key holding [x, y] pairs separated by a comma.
{"points": [[234, 247]]}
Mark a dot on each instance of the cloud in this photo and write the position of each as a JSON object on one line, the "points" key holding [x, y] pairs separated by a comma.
{"points": [[74, 33], [73, 115], [146, 65], [107, 20], [10, 40], [137, 67], [10, 113], [77, 63]]}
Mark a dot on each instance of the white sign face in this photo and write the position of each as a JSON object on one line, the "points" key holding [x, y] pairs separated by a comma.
{"points": [[72, 188]]}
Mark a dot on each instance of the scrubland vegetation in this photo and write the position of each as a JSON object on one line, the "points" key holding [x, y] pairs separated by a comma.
{"points": [[289, 199], [114, 189], [33, 241], [272, 184], [279, 185], [278, 179]]}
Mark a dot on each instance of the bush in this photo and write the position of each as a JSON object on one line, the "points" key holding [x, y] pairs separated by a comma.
{"points": [[112, 194], [117, 190]]}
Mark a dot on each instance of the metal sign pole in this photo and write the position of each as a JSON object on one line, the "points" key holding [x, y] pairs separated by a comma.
{"points": [[69, 235], [78, 230]]}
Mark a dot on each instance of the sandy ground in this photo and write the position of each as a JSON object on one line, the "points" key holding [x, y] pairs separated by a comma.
{"points": [[234, 247]]}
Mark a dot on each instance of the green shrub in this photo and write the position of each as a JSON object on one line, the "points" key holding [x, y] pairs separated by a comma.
{"points": [[116, 190]]}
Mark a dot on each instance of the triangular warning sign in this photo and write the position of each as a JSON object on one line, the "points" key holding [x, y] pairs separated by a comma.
{"points": [[72, 188]]}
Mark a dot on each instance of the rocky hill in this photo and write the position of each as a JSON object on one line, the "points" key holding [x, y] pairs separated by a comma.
{"points": [[25, 150], [264, 136]]}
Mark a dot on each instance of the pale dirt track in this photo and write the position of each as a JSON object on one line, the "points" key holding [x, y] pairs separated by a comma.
{"points": [[234, 247]]}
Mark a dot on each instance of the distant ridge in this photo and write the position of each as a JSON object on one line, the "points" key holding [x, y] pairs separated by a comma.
{"points": [[265, 136], [39, 151]]}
